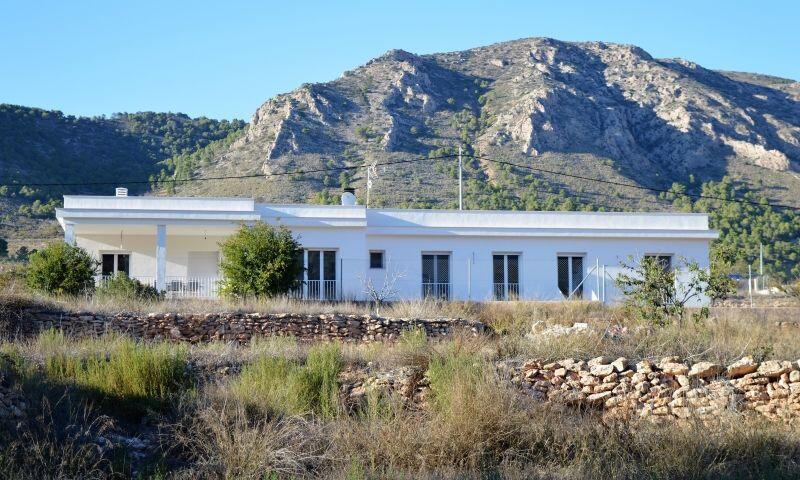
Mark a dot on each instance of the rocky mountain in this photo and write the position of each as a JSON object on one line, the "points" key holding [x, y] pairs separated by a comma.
{"points": [[597, 109], [543, 124]]}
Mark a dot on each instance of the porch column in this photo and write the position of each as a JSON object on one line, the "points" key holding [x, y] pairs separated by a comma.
{"points": [[161, 258], [69, 233]]}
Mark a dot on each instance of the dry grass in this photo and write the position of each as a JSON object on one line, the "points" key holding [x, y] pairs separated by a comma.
{"points": [[226, 442], [275, 415]]}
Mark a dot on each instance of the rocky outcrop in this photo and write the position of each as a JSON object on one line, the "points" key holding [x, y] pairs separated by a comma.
{"points": [[655, 120], [237, 327]]}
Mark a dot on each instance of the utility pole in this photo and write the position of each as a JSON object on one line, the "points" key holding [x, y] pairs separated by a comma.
{"points": [[761, 264], [372, 170], [460, 195]]}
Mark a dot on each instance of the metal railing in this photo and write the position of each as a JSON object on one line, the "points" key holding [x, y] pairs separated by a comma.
{"points": [[506, 291], [436, 290], [192, 287], [316, 290], [176, 286]]}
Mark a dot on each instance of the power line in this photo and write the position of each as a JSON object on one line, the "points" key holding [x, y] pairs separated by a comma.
{"points": [[419, 159], [228, 177]]}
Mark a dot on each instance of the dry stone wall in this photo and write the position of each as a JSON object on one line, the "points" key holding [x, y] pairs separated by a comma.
{"points": [[668, 389], [237, 327]]}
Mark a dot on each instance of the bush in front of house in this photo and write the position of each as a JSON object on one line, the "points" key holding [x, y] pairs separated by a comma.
{"points": [[61, 269], [123, 287], [260, 261]]}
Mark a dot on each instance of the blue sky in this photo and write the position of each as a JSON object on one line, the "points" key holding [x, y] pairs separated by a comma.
{"points": [[222, 59]]}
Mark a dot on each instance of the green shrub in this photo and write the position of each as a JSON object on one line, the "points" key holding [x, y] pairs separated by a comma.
{"points": [[654, 293], [260, 261], [61, 269], [283, 386], [318, 386], [123, 287]]}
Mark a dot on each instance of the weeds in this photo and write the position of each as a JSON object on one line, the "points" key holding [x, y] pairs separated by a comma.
{"points": [[141, 376], [276, 413], [289, 387]]}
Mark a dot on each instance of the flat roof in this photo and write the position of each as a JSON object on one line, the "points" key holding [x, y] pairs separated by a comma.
{"points": [[386, 221]]}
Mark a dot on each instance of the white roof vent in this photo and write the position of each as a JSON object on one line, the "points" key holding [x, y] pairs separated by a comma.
{"points": [[122, 192], [349, 196]]}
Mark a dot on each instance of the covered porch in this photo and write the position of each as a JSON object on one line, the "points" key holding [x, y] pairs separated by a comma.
{"points": [[181, 261], [169, 243]]}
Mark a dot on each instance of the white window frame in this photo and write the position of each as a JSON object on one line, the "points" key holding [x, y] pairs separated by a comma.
{"points": [[116, 254], [336, 277], [505, 255], [436, 269], [570, 278]]}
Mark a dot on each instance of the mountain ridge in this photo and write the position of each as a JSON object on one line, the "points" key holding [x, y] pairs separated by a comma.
{"points": [[527, 99], [525, 113]]}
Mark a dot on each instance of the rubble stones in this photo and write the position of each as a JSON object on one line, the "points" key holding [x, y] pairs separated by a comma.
{"points": [[742, 367], [671, 390]]}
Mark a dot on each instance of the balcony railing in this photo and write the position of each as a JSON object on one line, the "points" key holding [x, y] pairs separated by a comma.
{"points": [[177, 286], [506, 291], [192, 287], [316, 290], [439, 291]]}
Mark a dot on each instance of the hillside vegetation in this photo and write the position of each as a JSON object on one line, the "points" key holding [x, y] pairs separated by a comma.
{"points": [[47, 146], [544, 125]]}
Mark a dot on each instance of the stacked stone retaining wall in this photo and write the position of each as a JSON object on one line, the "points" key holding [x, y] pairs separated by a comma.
{"points": [[238, 327]]}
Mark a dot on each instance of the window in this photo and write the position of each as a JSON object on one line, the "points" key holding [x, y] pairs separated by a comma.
{"points": [[664, 260], [570, 276], [505, 273], [375, 259], [114, 263], [436, 275]]}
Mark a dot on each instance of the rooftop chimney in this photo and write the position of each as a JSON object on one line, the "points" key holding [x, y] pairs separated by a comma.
{"points": [[122, 192], [349, 196]]}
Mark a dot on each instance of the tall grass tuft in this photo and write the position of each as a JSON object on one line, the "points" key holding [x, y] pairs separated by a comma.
{"points": [[137, 373], [284, 386]]}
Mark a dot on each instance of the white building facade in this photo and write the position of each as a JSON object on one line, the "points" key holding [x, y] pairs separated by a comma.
{"points": [[173, 244]]}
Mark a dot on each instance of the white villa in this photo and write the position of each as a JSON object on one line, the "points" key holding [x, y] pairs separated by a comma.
{"points": [[173, 243]]}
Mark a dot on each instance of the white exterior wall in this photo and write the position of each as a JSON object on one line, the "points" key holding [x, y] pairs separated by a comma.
{"points": [[142, 249], [471, 261], [128, 225]]}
